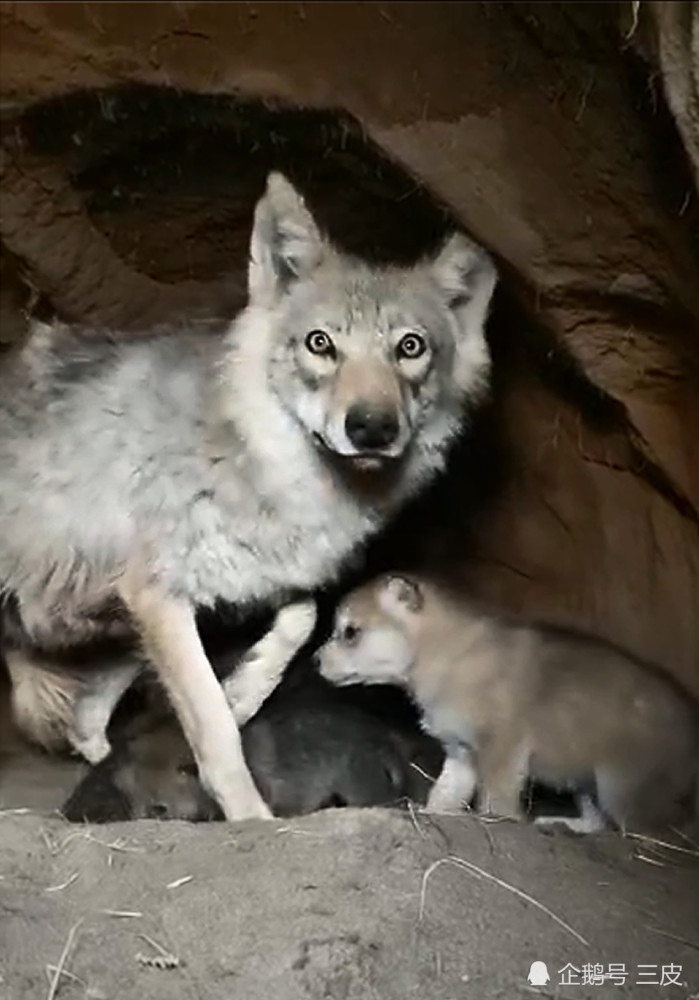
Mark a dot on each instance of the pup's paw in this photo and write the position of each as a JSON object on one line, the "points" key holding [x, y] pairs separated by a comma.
{"points": [[442, 801]]}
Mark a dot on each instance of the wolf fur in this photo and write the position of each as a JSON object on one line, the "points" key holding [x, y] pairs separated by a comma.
{"points": [[63, 706], [155, 476], [512, 701]]}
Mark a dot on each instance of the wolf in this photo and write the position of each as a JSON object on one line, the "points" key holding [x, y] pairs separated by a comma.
{"points": [[512, 700], [144, 479], [309, 747], [305, 753]]}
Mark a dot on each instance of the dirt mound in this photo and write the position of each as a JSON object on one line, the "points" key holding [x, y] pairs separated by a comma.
{"points": [[349, 905]]}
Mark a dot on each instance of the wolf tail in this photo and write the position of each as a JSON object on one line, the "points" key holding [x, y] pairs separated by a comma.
{"points": [[42, 701]]}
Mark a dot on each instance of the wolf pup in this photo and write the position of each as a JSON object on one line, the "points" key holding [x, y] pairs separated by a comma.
{"points": [[303, 756], [512, 701], [144, 478]]}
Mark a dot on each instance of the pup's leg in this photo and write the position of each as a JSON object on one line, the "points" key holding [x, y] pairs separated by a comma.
{"points": [[262, 667], [168, 628], [503, 770], [456, 784], [649, 794], [590, 820]]}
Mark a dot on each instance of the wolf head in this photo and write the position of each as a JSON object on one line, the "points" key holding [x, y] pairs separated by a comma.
{"points": [[376, 633], [368, 359]]}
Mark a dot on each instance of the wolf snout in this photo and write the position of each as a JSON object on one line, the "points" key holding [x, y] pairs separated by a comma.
{"points": [[371, 428]]}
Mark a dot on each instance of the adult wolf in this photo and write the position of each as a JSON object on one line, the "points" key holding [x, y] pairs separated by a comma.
{"points": [[143, 479]]}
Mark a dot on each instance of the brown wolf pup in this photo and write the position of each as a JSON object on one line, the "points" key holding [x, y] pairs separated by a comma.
{"points": [[513, 701]]}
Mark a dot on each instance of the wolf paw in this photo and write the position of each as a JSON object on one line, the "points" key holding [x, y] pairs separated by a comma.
{"points": [[250, 807], [93, 748], [295, 622], [236, 793], [590, 820]]}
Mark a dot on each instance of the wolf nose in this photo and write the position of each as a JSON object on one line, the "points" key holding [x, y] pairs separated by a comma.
{"points": [[369, 429]]}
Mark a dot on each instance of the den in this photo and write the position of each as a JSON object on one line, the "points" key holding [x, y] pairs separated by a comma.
{"points": [[349, 500]]}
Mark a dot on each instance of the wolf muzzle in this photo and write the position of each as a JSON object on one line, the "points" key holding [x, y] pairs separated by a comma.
{"points": [[371, 428]]}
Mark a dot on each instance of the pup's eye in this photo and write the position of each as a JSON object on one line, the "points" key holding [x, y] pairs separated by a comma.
{"points": [[319, 342], [412, 345], [188, 770], [349, 636]]}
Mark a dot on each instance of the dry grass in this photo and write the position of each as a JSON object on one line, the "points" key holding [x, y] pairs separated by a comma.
{"points": [[656, 846], [675, 937], [59, 969], [481, 873], [163, 960], [64, 885], [179, 881]]}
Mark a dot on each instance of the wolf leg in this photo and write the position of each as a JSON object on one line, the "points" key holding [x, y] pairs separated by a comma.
{"points": [[643, 793], [262, 667], [455, 786], [168, 628], [95, 703], [503, 770]]}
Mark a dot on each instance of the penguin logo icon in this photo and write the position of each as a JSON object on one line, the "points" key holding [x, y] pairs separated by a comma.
{"points": [[538, 974]]}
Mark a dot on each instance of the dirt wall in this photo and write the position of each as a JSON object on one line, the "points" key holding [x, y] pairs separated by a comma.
{"points": [[544, 128]]}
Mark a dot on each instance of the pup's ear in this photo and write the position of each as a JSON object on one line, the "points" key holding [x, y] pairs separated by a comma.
{"points": [[399, 594], [285, 244], [466, 276]]}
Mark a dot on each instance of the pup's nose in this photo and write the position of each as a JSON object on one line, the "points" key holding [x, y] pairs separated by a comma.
{"points": [[370, 428]]}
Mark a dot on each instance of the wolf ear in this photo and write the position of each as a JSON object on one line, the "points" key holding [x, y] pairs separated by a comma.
{"points": [[285, 244], [399, 595], [466, 275]]}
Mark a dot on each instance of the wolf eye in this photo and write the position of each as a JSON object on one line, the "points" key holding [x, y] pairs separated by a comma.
{"points": [[350, 635], [412, 345], [318, 342]]}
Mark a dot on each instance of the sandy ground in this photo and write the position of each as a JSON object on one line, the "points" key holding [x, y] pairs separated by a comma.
{"points": [[344, 905]]}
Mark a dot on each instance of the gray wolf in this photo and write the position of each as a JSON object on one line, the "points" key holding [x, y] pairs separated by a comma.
{"points": [[142, 479], [512, 700]]}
